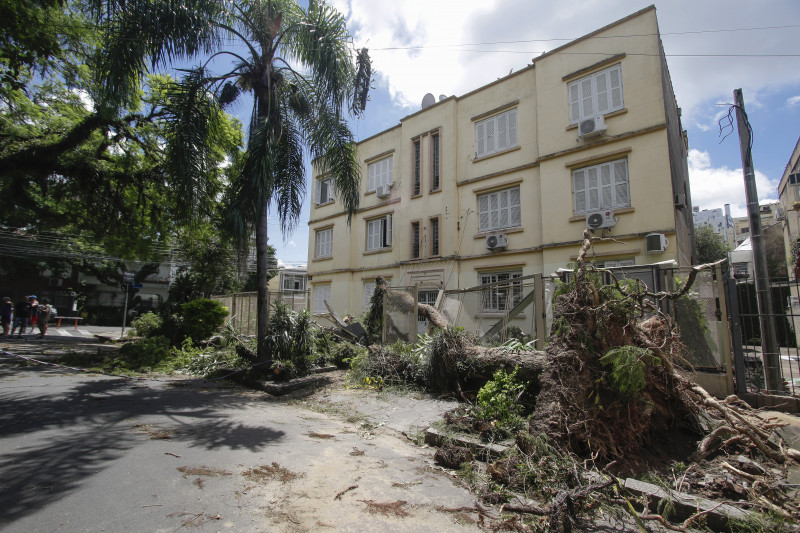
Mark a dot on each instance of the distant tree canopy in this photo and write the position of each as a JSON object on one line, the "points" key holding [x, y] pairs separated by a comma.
{"points": [[710, 245]]}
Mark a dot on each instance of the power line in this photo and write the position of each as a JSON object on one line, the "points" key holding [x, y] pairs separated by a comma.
{"points": [[567, 39]]}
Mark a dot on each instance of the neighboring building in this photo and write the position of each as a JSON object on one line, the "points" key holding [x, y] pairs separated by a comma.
{"points": [[498, 183], [289, 280], [789, 198], [720, 221], [770, 215]]}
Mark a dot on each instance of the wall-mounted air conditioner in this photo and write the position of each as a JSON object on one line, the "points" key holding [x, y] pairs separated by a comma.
{"points": [[601, 219], [382, 191], [680, 201], [591, 127], [496, 242], [656, 243]]}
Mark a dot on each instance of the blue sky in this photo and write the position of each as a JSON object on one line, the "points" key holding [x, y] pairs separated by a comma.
{"points": [[454, 46]]}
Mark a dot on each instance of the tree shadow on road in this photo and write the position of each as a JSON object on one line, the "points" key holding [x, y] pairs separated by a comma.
{"points": [[60, 428]]}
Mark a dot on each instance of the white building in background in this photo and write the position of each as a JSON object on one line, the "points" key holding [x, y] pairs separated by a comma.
{"points": [[720, 221]]}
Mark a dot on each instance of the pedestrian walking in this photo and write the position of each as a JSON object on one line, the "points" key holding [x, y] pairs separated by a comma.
{"points": [[22, 309], [6, 308], [33, 316], [45, 310]]}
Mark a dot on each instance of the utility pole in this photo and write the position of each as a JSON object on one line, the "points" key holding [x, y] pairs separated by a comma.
{"points": [[769, 339]]}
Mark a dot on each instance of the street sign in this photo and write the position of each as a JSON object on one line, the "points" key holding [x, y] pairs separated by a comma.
{"points": [[127, 277], [136, 285]]}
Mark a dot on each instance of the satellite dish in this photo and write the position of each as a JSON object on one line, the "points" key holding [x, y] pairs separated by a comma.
{"points": [[442, 97], [428, 100]]}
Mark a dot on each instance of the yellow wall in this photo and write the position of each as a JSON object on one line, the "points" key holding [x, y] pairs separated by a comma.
{"points": [[541, 165]]}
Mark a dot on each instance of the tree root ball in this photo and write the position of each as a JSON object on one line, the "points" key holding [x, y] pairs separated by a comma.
{"points": [[452, 456]]}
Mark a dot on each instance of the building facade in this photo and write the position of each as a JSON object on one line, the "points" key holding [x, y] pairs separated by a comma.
{"points": [[718, 219], [789, 199], [499, 183]]}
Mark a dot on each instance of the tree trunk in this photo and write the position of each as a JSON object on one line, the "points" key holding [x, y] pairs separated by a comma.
{"points": [[262, 264]]}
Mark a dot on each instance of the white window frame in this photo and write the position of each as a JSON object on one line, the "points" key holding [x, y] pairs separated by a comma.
{"points": [[416, 167], [495, 299], [323, 244], [500, 210], [436, 164], [496, 134], [595, 95], [369, 289], [321, 293], [379, 173], [379, 233], [436, 236], [324, 191], [602, 186], [290, 280], [619, 263]]}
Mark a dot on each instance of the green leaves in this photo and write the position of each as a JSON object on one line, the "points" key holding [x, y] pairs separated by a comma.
{"points": [[628, 365]]}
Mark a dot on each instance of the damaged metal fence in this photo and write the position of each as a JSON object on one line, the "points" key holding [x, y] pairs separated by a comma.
{"points": [[243, 307]]}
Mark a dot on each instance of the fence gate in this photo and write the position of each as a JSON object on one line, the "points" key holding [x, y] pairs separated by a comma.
{"points": [[746, 335]]}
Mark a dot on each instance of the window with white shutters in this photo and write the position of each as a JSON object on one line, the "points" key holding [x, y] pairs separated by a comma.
{"points": [[379, 233], [595, 95], [603, 186], [324, 243], [496, 133], [502, 297], [323, 191], [499, 210], [322, 293], [379, 173]]}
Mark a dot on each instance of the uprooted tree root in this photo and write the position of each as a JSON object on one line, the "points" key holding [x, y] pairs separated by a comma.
{"points": [[615, 378], [615, 393]]}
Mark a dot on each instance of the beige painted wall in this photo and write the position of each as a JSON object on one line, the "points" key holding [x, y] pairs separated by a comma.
{"points": [[541, 166]]}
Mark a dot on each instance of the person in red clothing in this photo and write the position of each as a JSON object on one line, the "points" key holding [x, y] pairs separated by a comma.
{"points": [[33, 317]]}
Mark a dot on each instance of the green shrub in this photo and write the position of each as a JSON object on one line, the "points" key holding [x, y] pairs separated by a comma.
{"points": [[145, 353], [202, 318], [498, 400], [290, 336], [147, 325]]}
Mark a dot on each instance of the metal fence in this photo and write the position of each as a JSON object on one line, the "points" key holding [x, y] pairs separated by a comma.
{"points": [[747, 346], [243, 307]]}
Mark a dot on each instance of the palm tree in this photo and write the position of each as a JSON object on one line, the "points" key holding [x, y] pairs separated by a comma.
{"points": [[295, 63]]}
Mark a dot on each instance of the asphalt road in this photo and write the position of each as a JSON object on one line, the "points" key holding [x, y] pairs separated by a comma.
{"points": [[84, 452]]}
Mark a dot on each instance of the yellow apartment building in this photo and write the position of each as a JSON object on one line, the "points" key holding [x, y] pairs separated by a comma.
{"points": [[500, 182]]}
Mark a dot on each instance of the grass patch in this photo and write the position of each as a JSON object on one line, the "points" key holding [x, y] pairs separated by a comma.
{"points": [[266, 473]]}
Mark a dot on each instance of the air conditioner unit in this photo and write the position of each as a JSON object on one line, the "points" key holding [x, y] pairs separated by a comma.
{"points": [[601, 219], [496, 242], [656, 243], [680, 201], [382, 191], [591, 127]]}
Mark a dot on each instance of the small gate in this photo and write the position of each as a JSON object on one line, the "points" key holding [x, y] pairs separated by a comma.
{"points": [[748, 342]]}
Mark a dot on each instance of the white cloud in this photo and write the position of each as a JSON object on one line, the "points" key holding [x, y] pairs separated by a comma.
{"points": [[700, 82], [713, 187], [292, 244], [794, 101]]}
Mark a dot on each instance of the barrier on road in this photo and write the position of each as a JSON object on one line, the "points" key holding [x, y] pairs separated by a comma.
{"points": [[75, 318]]}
